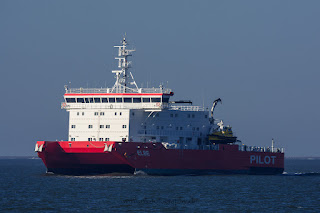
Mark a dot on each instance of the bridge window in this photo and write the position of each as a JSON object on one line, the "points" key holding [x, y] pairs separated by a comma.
{"points": [[108, 126], [101, 113], [136, 100], [146, 99], [101, 126], [97, 100], [107, 139], [100, 139], [80, 100], [104, 100], [89, 100], [71, 100], [119, 100], [127, 100], [155, 99], [112, 100], [73, 126], [124, 126], [89, 139], [90, 126], [96, 113], [73, 139]]}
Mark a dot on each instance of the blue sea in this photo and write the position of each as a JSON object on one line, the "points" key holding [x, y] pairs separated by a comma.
{"points": [[25, 187]]}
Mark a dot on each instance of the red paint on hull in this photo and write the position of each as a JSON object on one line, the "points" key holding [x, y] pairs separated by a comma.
{"points": [[151, 157]]}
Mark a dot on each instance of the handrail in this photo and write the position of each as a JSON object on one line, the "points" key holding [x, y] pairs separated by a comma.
{"points": [[109, 90]]}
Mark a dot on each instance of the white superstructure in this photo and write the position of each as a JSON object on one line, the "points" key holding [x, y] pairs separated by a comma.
{"points": [[126, 112]]}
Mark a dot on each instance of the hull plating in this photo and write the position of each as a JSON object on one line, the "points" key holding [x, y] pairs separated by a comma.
{"points": [[85, 157]]}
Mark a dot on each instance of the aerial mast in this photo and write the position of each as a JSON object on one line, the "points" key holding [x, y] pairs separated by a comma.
{"points": [[124, 65]]}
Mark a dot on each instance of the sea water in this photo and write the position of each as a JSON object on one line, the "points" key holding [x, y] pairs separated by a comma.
{"points": [[25, 187]]}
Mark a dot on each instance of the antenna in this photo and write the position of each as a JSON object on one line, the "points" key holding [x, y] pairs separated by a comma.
{"points": [[123, 78]]}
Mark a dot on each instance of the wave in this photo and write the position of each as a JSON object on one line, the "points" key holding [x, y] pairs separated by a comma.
{"points": [[301, 174]]}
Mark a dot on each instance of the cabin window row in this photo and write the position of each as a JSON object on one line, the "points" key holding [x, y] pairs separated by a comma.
{"points": [[100, 126], [100, 139], [116, 100]]}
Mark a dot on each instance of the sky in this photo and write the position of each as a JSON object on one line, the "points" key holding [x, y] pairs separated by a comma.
{"points": [[262, 58]]}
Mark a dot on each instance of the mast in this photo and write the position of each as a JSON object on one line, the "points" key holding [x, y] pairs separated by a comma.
{"points": [[123, 78]]}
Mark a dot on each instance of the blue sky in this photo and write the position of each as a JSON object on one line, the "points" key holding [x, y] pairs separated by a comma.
{"points": [[260, 57]]}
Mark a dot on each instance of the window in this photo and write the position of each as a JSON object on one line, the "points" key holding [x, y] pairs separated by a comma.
{"points": [[192, 115], [108, 126], [176, 115], [94, 139], [96, 113], [197, 128], [115, 113], [155, 99], [82, 113], [127, 100], [120, 113], [157, 127], [90, 126], [205, 116], [97, 100], [124, 126], [80, 100], [100, 139], [136, 100], [107, 139], [181, 128], [119, 100], [71, 100], [112, 100], [124, 139], [88, 100], [73, 139], [73, 126], [188, 115], [171, 115], [89, 139], [146, 99], [177, 128], [104, 100], [78, 113], [101, 113], [101, 126]]}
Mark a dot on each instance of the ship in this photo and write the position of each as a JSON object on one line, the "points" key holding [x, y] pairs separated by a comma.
{"points": [[126, 129]]}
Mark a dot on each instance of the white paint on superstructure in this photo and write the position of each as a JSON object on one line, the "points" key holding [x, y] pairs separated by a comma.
{"points": [[127, 112]]}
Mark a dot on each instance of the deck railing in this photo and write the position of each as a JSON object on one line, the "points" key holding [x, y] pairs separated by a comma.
{"points": [[109, 90], [260, 149], [187, 108]]}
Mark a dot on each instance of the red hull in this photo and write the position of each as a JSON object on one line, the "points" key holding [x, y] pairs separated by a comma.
{"points": [[87, 157]]}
